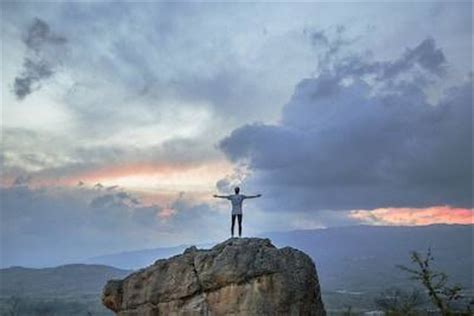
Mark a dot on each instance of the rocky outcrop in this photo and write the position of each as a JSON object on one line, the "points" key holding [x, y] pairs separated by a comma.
{"points": [[241, 276]]}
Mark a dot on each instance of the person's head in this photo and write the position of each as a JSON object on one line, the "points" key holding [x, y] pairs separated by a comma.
{"points": [[236, 190]]}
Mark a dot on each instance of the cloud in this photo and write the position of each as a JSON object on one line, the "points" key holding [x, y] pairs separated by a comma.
{"points": [[33, 73], [52, 225], [152, 81], [333, 57], [39, 34], [49, 158], [41, 60], [145, 102], [329, 44], [111, 188], [425, 56], [319, 38], [188, 213], [98, 186], [22, 180], [119, 199], [346, 141], [236, 178]]}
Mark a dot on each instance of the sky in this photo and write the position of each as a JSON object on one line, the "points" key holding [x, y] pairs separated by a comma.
{"points": [[120, 120]]}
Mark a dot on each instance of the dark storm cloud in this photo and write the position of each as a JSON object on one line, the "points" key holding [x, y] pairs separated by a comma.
{"points": [[39, 34], [424, 56], [328, 43], [319, 38], [40, 62], [347, 146], [33, 73], [333, 58]]}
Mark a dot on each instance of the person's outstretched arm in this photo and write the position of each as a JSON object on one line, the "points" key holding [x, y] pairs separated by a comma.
{"points": [[252, 196], [221, 196]]}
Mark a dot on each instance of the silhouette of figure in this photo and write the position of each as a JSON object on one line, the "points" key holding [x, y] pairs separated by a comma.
{"points": [[236, 200]]}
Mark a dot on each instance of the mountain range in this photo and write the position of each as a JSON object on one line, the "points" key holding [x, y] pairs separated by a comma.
{"points": [[351, 256], [351, 261]]}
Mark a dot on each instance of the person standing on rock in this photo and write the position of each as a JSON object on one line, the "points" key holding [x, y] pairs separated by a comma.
{"points": [[236, 200]]}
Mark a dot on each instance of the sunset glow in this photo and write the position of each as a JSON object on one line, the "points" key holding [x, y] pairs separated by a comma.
{"points": [[167, 177], [144, 177], [415, 216]]}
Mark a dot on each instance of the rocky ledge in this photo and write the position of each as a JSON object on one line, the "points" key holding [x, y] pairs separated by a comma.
{"points": [[241, 276]]}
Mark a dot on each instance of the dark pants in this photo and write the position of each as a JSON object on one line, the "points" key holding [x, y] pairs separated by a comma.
{"points": [[239, 218]]}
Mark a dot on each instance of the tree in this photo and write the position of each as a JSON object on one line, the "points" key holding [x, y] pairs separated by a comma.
{"points": [[434, 282], [396, 302]]}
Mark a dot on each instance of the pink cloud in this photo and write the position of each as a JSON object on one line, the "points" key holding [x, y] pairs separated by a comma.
{"points": [[415, 216]]}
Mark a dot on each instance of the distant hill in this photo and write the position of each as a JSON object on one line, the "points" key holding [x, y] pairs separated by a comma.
{"points": [[362, 258], [356, 263], [72, 280], [353, 258], [353, 263], [136, 259]]}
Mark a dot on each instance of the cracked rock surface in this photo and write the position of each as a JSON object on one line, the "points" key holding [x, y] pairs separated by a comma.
{"points": [[241, 276]]}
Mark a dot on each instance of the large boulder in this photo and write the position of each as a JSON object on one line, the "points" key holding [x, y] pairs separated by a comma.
{"points": [[241, 276]]}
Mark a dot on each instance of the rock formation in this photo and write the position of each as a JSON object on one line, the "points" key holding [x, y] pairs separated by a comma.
{"points": [[241, 276]]}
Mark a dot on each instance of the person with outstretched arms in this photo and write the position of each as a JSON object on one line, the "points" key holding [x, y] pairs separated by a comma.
{"points": [[236, 200]]}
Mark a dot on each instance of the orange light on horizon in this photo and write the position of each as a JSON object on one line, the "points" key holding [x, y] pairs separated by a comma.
{"points": [[144, 177], [415, 216]]}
